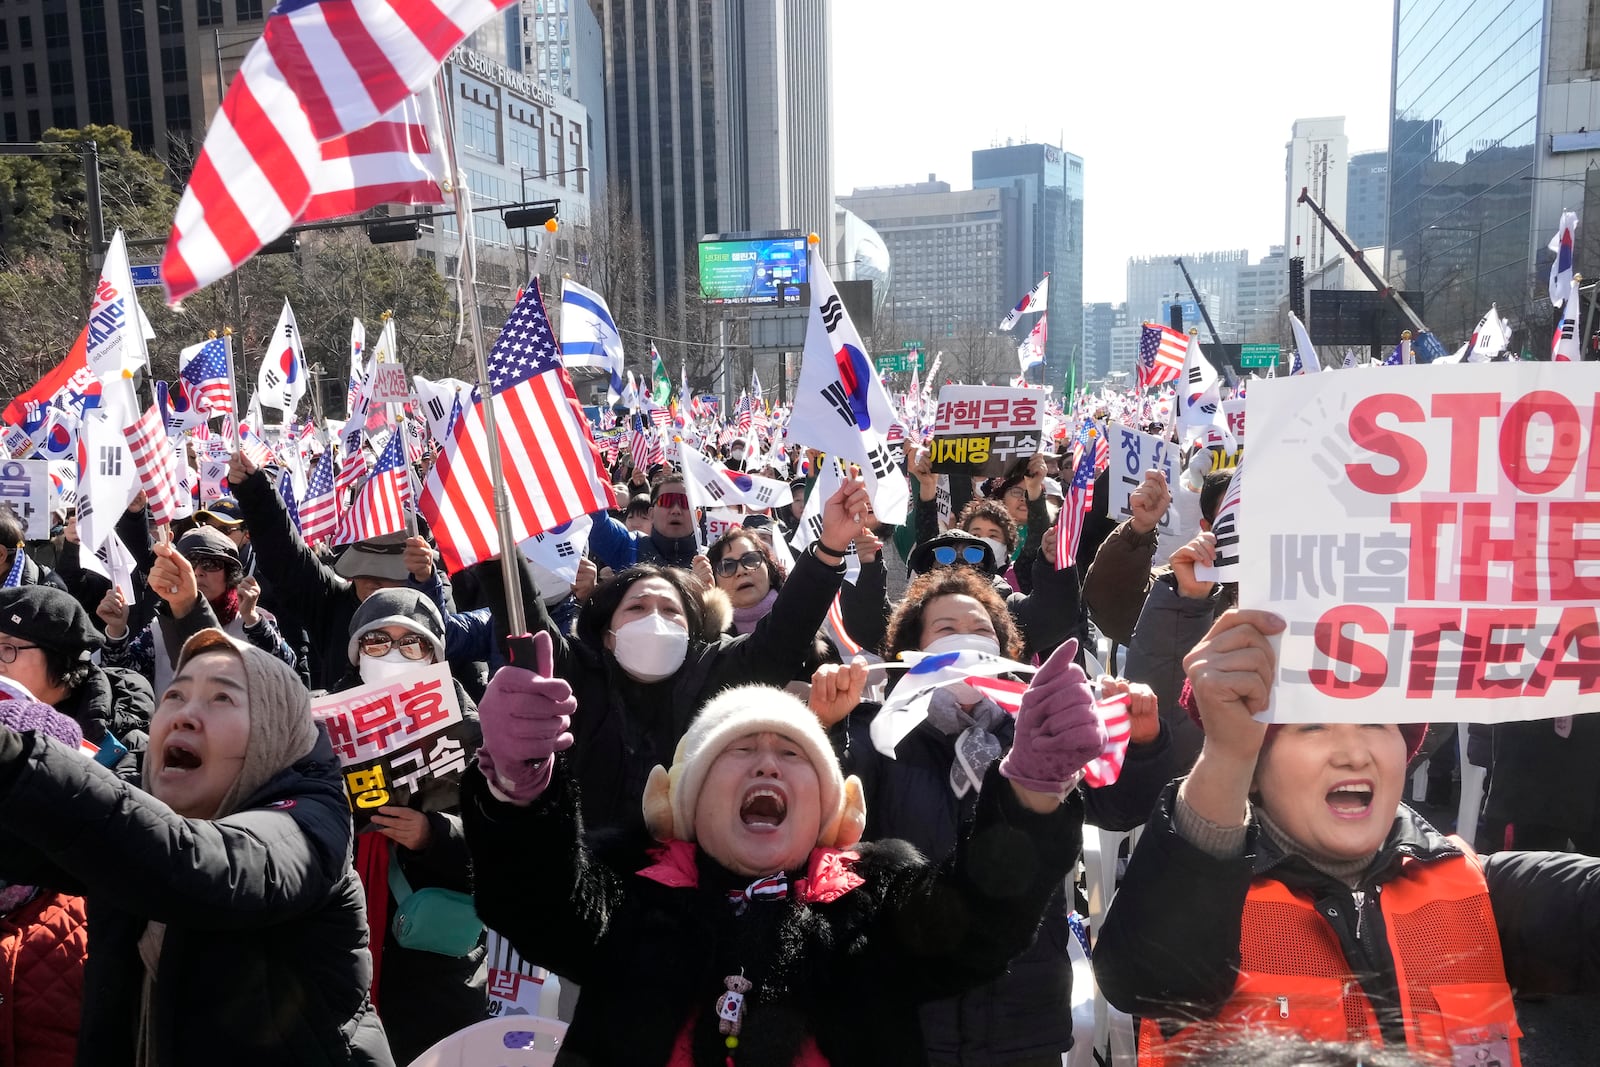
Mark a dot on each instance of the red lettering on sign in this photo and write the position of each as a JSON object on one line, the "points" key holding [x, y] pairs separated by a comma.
{"points": [[1466, 412], [1427, 627], [1332, 642], [1479, 550], [1514, 458], [1411, 458], [1480, 650], [1579, 631], [1425, 520]]}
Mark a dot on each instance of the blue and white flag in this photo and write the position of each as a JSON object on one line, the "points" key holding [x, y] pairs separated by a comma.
{"points": [[589, 336]]}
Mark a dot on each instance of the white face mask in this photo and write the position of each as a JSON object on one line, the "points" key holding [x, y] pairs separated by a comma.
{"points": [[651, 648], [998, 548], [387, 667], [964, 643]]}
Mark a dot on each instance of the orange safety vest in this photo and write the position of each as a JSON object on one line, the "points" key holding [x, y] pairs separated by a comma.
{"points": [[1293, 975]]}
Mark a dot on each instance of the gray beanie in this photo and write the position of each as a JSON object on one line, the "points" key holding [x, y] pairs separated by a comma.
{"points": [[397, 607], [282, 730]]}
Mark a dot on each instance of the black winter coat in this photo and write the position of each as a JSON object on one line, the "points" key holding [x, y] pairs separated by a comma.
{"points": [[1025, 1013], [115, 700], [847, 972], [264, 961], [1170, 943]]}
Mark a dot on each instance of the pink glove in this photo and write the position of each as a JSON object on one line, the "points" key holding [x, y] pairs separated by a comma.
{"points": [[1058, 732], [525, 717]]}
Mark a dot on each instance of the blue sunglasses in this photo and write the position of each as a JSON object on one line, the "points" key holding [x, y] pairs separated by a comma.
{"points": [[973, 554]]}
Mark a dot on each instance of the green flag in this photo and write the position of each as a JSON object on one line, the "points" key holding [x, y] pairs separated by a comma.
{"points": [[660, 384]]}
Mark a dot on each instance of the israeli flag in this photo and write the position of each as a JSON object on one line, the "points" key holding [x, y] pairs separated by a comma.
{"points": [[589, 336]]}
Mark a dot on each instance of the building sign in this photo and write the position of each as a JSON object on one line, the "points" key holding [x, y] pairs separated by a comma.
{"points": [[491, 70]]}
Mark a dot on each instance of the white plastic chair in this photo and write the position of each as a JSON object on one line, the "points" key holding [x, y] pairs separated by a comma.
{"points": [[1113, 1031], [509, 1041]]}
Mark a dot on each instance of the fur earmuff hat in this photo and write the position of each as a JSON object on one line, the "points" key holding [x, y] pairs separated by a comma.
{"points": [[671, 795]]}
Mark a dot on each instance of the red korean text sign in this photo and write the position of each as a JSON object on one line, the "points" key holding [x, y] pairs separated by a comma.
{"points": [[1432, 536]]}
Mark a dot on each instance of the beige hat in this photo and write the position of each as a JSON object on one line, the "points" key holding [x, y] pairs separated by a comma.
{"points": [[282, 730], [671, 795]]}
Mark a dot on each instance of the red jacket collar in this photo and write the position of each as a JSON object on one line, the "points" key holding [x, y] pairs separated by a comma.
{"points": [[829, 871]]}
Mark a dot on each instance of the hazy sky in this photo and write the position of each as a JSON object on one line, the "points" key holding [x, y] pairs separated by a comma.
{"points": [[1179, 110]]}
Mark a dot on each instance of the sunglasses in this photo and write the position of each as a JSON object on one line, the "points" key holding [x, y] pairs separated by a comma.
{"points": [[973, 554], [411, 646], [207, 565], [673, 500], [727, 566]]}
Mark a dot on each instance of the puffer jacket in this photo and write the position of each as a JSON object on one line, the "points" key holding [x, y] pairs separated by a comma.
{"points": [[1022, 1014], [265, 949], [117, 701], [42, 948]]}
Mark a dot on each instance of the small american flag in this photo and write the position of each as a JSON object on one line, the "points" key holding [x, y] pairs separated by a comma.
{"points": [[157, 465], [547, 453], [205, 368], [1161, 352], [639, 445], [380, 507], [319, 514], [1107, 768], [1079, 500]]}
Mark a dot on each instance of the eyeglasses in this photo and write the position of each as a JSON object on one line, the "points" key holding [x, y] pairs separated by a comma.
{"points": [[1016, 492], [673, 500], [208, 565], [727, 566], [973, 554], [411, 646], [8, 651]]}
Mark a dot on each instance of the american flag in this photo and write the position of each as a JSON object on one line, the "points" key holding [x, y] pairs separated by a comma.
{"points": [[1161, 352], [14, 575], [1079, 500], [639, 448], [380, 506], [157, 465], [660, 416], [1104, 770], [290, 504], [320, 121], [547, 453], [319, 513], [204, 367]]}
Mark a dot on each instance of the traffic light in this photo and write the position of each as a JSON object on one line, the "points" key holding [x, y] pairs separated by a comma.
{"points": [[388, 233], [1297, 286], [538, 215], [284, 245]]}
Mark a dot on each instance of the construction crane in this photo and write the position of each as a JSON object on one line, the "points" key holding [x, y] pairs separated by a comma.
{"points": [[1379, 282], [1201, 304]]}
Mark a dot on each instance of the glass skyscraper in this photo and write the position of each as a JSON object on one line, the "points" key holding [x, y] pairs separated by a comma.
{"points": [[1463, 144]]}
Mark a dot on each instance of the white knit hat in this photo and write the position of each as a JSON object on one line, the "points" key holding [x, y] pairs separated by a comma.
{"points": [[671, 795]]}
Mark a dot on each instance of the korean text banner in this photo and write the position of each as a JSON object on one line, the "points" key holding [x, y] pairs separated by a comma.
{"points": [[1432, 537], [1134, 452], [25, 492], [984, 429], [399, 740]]}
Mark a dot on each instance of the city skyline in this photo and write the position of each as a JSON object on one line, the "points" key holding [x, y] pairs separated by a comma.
{"points": [[897, 123]]}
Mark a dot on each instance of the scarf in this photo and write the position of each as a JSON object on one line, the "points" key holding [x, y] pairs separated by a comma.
{"points": [[1347, 871], [976, 746], [745, 619], [227, 608]]}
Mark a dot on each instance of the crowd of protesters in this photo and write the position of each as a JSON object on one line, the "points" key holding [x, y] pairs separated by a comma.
{"points": [[680, 802]]}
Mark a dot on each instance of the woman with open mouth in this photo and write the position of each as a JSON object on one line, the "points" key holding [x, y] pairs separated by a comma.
{"points": [[226, 922], [1283, 887]]}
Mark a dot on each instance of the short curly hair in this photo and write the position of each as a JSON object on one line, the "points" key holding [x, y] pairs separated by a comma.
{"points": [[905, 625], [719, 548], [995, 512]]}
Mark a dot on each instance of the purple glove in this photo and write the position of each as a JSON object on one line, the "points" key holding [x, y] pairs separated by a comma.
{"points": [[1058, 732], [525, 717]]}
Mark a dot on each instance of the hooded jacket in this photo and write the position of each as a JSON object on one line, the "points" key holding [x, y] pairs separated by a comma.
{"points": [[839, 966], [1170, 945], [264, 953]]}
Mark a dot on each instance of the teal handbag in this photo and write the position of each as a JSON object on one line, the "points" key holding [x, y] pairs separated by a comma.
{"points": [[441, 921]]}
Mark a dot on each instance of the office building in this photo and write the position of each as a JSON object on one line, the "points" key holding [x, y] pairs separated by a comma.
{"points": [[718, 119], [1317, 159], [948, 254], [1366, 211], [1155, 282], [1476, 191], [1125, 352], [1045, 236], [1098, 322], [563, 48], [1262, 287]]}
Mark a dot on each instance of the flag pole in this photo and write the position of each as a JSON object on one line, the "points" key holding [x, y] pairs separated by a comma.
{"points": [[468, 268], [233, 382]]}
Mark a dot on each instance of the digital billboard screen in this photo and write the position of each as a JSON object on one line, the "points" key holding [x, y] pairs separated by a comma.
{"points": [[752, 270]]}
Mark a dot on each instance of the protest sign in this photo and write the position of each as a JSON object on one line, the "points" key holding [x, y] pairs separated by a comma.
{"points": [[515, 986], [397, 740], [719, 521], [1132, 453], [1234, 411], [983, 429], [1432, 539], [25, 492]]}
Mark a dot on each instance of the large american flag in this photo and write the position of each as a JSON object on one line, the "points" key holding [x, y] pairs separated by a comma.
{"points": [[321, 120], [1078, 501], [205, 368], [1161, 352], [380, 507], [157, 465], [548, 456], [319, 513]]}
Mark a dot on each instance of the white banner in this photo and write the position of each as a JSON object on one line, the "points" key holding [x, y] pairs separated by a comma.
{"points": [[25, 492], [1132, 453], [1432, 538]]}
